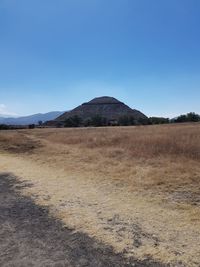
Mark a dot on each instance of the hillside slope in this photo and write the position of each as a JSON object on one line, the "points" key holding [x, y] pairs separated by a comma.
{"points": [[32, 119]]}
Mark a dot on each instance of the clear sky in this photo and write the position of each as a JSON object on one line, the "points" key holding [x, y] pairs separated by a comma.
{"points": [[56, 54]]}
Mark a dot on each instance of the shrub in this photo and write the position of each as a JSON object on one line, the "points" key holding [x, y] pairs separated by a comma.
{"points": [[98, 121], [4, 127], [74, 121], [31, 126], [189, 117], [127, 120], [158, 120]]}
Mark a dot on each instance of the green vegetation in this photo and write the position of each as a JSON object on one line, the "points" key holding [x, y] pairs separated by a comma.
{"points": [[126, 121], [158, 120], [31, 126], [74, 121], [97, 120], [4, 127], [40, 123], [189, 117]]}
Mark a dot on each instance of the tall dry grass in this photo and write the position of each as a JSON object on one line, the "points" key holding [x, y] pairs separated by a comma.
{"points": [[138, 142], [164, 156], [16, 142]]}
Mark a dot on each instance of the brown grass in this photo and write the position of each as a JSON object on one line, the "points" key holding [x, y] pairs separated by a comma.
{"points": [[136, 188], [140, 142], [16, 142]]}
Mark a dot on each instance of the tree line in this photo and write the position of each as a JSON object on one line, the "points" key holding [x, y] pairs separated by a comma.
{"points": [[97, 120]]}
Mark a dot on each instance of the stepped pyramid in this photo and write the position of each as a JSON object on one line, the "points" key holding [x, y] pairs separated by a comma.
{"points": [[107, 107]]}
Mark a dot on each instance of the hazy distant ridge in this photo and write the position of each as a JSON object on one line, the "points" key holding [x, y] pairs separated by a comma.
{"points": [[32, 119]]}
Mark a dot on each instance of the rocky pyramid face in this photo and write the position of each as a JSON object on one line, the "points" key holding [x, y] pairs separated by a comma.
{"points": [[103, 100], [106, 107]]}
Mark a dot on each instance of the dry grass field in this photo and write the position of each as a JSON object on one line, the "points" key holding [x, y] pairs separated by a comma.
{"points": [[136, 189]]}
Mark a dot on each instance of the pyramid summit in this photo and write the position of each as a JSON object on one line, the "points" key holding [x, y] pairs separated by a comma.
{"points": [[103, 100], [110, 109]]}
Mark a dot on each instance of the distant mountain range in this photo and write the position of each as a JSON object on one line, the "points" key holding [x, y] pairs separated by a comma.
{"points": [[32, 119]]}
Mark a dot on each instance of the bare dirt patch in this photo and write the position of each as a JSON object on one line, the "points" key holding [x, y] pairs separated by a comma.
{"points": [[29, 236]]}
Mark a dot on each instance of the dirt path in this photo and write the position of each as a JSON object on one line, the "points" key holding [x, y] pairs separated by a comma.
{"points": [[126, 222], [30, 237]]}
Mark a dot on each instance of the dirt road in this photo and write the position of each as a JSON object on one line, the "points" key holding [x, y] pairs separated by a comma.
{"points": [[29, 236]]}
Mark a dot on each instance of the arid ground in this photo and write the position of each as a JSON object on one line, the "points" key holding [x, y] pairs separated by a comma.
{"points": [[116, 196]]}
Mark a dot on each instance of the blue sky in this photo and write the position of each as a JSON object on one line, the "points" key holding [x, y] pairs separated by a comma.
{"points": [[54, 55]]}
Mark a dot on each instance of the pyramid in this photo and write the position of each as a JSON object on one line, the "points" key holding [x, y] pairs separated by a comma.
{"points": [[106, 107]]}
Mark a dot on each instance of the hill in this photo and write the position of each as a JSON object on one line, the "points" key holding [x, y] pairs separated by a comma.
{"points": [[106, 107], [32, 119]]}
